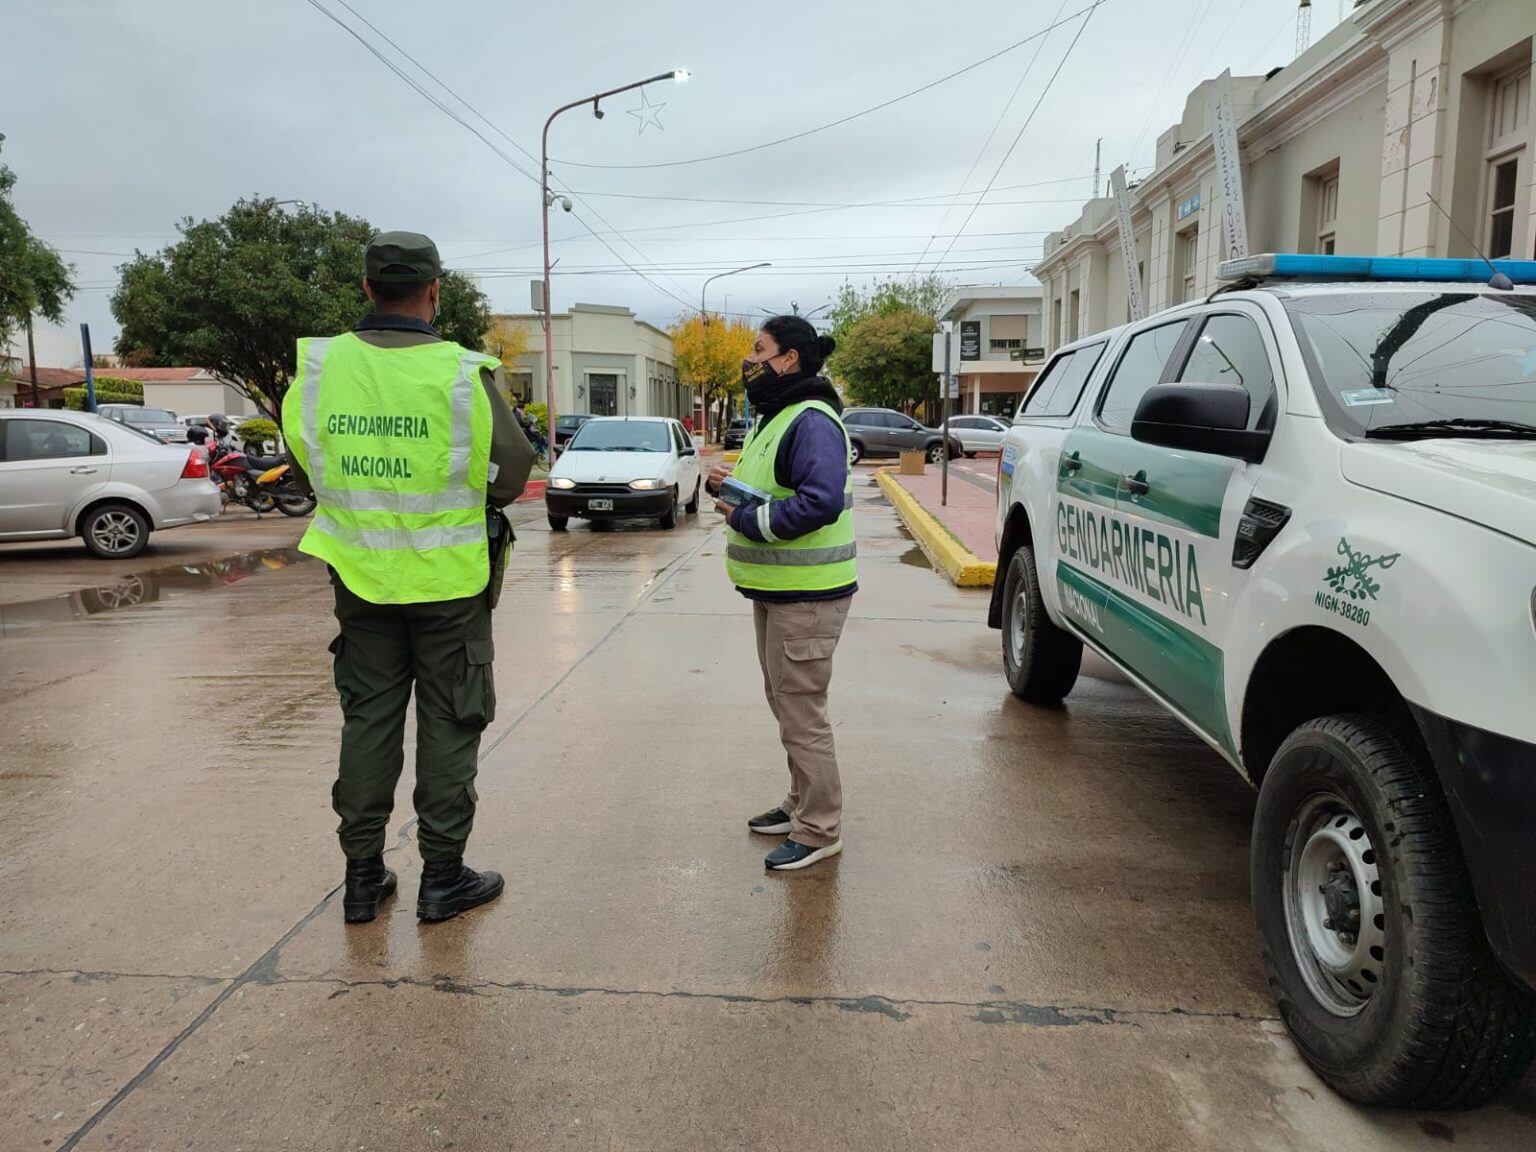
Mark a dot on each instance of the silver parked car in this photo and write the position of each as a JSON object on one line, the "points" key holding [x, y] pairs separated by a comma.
{"points": [[68, 474], [979, 433]]}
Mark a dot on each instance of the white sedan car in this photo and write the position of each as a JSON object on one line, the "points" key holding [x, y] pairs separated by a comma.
{"points": [[68, 474], [979, 433], [622, 467]]}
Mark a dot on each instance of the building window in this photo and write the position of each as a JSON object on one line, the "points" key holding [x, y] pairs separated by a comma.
{"points": [[1504, 159], [1074, 315], [1189, 262], [1006, 345], [1328, 215]]}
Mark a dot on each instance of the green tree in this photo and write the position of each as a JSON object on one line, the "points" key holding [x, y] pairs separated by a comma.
{"points": [[34, 281], [923, 294], [885, 359], [234, 295]]}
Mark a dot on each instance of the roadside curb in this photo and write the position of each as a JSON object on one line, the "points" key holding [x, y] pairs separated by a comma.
{"points": [[963, 567], [533, 491]]}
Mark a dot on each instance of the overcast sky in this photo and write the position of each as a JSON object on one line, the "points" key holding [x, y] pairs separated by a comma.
{"points": [[122, 116]]}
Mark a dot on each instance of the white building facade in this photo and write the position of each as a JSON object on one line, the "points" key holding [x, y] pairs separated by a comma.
{"points": [[1001, 334], [607, 363], [1340, 152]]}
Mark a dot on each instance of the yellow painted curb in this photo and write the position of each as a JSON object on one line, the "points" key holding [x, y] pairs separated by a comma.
{"points": [[964, 568]]}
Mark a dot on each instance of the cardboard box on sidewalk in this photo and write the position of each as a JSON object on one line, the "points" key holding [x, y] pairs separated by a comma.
{"points": [[913, 463]]}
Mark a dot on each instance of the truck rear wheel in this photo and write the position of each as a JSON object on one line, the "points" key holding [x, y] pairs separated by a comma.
{"points": [[1040, 660], [1371, 939]]}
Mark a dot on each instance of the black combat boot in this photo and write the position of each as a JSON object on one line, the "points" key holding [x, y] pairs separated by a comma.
{"points": [[448, 888], [369, 884]]}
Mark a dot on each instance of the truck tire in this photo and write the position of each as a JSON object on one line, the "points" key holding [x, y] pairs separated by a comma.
{"points": [[1040, 660], [1371, 939]]}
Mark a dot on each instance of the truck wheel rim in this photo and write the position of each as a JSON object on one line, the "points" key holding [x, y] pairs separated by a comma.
{"points": [[1334, 912], [1016, 620], [115, 531]]}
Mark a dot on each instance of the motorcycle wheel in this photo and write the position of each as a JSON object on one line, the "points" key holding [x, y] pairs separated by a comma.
{"points": [[295, 505]]}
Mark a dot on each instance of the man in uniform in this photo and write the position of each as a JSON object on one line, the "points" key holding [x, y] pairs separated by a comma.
{"points": [[406, 440]]}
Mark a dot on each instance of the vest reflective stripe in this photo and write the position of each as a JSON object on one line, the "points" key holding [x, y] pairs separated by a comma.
{"points": [[418, 539], [820, 561], [396, 442], [457, 496], [751, 553]]}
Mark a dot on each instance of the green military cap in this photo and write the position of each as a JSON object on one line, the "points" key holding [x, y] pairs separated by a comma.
{"points": [[402, 258]]}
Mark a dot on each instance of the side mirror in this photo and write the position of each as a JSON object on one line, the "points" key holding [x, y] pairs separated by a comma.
{"points": [[689, 451], [1201, 418]]}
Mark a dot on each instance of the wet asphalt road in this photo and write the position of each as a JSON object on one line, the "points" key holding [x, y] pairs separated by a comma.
{"points": [[1038, 937]]}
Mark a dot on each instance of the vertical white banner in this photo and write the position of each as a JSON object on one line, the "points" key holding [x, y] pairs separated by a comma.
{"points": [[1127, 242], [1229, 168]]}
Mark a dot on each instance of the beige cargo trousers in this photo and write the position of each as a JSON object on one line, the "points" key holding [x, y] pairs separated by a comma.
{"points": [[795, 644]]}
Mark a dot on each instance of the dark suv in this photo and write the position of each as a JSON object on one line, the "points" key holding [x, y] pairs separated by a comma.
{"points": [[736, 433], [885, 432]]}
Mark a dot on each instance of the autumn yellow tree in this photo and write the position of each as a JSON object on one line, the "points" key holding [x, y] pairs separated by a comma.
{"points": [[507, 339], [709, 355]]}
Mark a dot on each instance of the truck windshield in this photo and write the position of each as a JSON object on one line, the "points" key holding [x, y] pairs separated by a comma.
{"points": [[1436, 363]]}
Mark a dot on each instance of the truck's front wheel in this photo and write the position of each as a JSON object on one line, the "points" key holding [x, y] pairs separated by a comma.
{"points": [[1040, 659], [1372, 943]]}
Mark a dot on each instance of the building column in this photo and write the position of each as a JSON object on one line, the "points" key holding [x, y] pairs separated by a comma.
{"points": [[1413, 147], [976, 394], [1160, 253]]}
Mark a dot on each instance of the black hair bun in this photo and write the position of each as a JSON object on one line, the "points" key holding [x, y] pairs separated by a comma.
{"points": [[825, 346]]}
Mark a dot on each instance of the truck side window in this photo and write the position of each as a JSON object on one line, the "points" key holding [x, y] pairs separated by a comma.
{"points": [[1060, 388], [1231, 350], [1141, 367]]}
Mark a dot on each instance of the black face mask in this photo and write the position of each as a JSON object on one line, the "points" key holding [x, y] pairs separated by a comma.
{"points": [[755, 376]]}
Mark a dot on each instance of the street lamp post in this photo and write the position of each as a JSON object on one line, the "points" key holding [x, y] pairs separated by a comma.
{"points": [[545, 199], [720, 275], [704, 312]]}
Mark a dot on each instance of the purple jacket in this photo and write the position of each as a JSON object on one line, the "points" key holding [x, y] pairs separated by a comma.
{"points": [[812, 460]]}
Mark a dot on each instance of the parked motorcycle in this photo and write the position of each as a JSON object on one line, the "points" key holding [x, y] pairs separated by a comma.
{"points": [[291, 499], [236, 475]]}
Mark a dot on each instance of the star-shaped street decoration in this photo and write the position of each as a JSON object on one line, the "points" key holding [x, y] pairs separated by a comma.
{"points": [[648, 113]]}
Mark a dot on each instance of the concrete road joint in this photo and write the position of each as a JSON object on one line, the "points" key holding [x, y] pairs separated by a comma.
{"points": [[264, 969], [987, 1011]]}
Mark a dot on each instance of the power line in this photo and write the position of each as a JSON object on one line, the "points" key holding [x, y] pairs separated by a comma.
{"points": [[1024, 127], [1186, 42], [987, 143], [493, 127], [912, 200], [446, 110], [852, 116]]}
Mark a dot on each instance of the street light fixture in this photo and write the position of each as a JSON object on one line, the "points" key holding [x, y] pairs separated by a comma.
{"points": [[547, 198], [720, 275]]}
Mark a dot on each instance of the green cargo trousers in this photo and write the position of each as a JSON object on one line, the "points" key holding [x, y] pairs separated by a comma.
{"points": [[443, 649]]}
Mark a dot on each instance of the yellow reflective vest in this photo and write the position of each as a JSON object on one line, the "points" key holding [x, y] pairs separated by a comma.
{"points": [[818, 562], [397, 444]]}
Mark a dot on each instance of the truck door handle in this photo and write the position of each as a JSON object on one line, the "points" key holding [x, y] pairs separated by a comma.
{"points": [[1071, 463], [82, 471], [1137, 485]]}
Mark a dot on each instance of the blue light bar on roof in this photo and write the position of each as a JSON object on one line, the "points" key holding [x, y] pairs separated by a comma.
{"points": [[1298, 267]]}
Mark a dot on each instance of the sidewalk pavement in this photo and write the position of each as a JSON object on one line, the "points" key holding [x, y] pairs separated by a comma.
{"points": [[958, 535]]}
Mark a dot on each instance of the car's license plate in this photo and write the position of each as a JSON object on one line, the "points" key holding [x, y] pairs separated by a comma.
{"points": [[599, 505]]}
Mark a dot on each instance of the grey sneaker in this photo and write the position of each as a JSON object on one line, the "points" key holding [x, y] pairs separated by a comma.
{"points": [[789, 856], [772, 823]]}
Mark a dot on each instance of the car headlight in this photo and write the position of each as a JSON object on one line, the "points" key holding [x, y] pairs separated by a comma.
{"points": [[644, 485], [561, 482]]}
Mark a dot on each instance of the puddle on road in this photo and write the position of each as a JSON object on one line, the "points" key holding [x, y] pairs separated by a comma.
{"points": [[916, 558], [144, 588]]}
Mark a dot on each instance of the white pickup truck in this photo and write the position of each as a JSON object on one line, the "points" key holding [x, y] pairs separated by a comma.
{"points": [[1301, 514]]}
